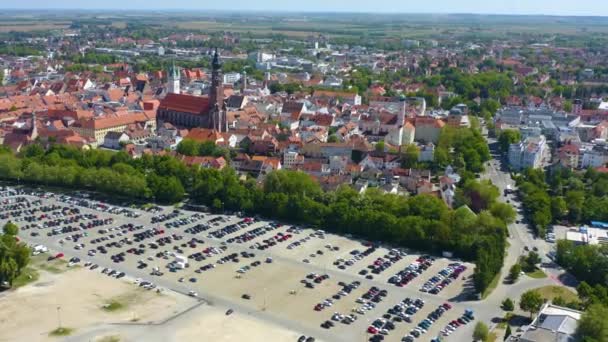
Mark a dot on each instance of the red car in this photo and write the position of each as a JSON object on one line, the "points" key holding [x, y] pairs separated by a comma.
{"points": [[372, 330], [59, 255]]}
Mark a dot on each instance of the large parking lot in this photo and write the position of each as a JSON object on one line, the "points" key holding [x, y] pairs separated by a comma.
{"points": [[331, 287]]}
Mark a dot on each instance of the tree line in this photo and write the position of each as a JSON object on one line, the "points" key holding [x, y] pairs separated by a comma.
{"points": [[563, 196], [589, 263], [421, 222]]}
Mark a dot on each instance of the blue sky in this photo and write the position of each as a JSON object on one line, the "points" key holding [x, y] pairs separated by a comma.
{"points": [[549, 7]]}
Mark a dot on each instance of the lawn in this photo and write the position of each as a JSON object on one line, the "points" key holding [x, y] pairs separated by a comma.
{"points": [[113, 305], [552, 291], [61, 331], [123, 301], [28, 275], [537, 274], [53, 266]]}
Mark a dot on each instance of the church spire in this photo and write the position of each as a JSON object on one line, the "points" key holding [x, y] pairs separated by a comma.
{"points": [[173, 78], [216, 95], [216, 64]]}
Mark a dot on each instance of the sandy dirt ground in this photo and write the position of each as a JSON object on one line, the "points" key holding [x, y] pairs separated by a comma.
{"points": [[31, 312]]}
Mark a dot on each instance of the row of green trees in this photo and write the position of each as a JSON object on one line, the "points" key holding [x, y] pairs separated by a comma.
{"points": [[14, 255], [189, 147], [563, 195], [421, 222], [589, 263]]}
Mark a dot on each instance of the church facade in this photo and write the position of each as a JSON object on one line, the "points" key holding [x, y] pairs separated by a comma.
{"points": [[190, 111]]}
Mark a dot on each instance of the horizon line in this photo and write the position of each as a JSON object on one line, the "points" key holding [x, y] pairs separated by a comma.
{"points": [[274, 11]]}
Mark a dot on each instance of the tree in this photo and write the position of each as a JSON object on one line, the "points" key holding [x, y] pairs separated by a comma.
{"points": [[575, 201], [478, 195], [593, 325], [380, 146], [508, 305], [10, 229], [514, 272], [568, 106], [410, 156], [481, 332], [332, 139], [8, 270], [531, 301], [559, 207], [530, 262], [504, 212], [188, 147], [507, 332], [508, 137]]}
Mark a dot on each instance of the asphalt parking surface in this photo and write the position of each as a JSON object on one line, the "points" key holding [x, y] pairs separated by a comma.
{"points": [[228, 258]]}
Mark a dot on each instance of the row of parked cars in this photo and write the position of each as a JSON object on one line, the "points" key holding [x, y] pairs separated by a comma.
{"points": [[426, 323], [165, 217], [270, 242], [445, 277], [411, 271], [28, 215], [465, 319], [252, 234], [356, 256], [401, 312], [230, 229], [184, 221], [96, 205], [381, 264], [313, 278]]}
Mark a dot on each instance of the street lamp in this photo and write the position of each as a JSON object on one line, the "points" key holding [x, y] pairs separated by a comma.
{"points": [[58, 316]]}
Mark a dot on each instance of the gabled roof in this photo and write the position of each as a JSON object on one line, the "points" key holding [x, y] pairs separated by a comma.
{"points": [[292, 107], [204, 134], [235, 101], [185, 104], [333, 94]]}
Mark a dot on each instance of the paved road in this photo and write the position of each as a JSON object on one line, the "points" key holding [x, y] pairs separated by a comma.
{"points": [[520, 237]]}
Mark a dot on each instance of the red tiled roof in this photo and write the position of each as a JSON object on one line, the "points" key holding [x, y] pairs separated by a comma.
{"points": [[204, 134], [114, 120], [185, 103], [333, 94]]}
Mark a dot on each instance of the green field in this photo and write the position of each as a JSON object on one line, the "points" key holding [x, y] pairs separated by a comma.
{"points": [[300, 25], [551, 292]]}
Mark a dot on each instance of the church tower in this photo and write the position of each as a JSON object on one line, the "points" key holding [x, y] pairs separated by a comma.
{"points": [[244, 83], [173, 78], [216, 96]]}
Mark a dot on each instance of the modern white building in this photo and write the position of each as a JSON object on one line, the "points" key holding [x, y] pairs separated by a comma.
{"points": [[232, 77], [553, 323], [291, 159], [530, 153], [594, 155]]}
